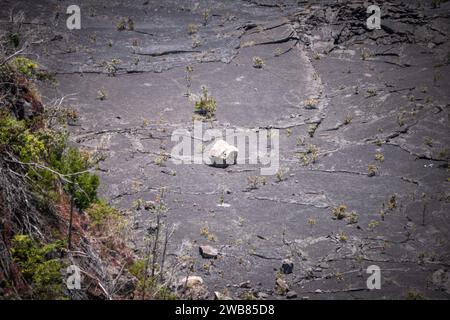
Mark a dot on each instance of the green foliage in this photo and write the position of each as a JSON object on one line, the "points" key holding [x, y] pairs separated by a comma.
{"points": [[48, 148], [100, 212], [137, 269], [30, 69], [10, 129], [207, 105], [150, 284], [38, 267], [84, 185], [25, 66], [164, 293]]}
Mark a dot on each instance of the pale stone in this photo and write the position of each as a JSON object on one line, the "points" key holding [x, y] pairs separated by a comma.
{"points": [[222, 154], [192, 281]]}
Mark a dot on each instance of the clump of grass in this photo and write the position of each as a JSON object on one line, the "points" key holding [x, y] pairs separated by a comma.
{"points": [[428, 141], [278, 52], [206, 106], [206, 15], [311, 103], [342, 236], [310, 156], [312, 129], [352, 218], [370, 93], [254, 182], [280, 175], [414, 295], [258, 62], [204, 231], [379, 156], [125, 24], [101, 94], [372, 170], [373, 224], [348, 119], [247, 44], [392, 203], [340, 212], [196, 42], [111, 67], [192, 28], [160, 160], [365, 54]]}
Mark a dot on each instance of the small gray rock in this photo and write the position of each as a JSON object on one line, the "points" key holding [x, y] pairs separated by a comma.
{"points": [[208, 252], [287, 266], [291, 294], [245, 284], [262, 295]]}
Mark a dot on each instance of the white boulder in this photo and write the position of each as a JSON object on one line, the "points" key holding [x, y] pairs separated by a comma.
{"points": [[222, 154]]}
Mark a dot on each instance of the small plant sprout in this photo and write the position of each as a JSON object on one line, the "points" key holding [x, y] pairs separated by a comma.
{"points": [[316, 56], [192, 28], [370, 93], [392, 203], [278, 52], [428, 141], [206, 106], [312, 129], [121, 25], [188, 77], [196, 42], [312, 222], [373, 224], [240, 221], [160, 160], [289, 132], [342, 236], [348, 119], [372, 170], [300, 141], [247, 44], [206, 15], [414, 295], [311, 103], [101, 94], [125, 24], [258, 63], [353, 218], [340, 212], [379, 156], [365, 54], [145, 122], [254, 182], [111, 67], [280, 175]]}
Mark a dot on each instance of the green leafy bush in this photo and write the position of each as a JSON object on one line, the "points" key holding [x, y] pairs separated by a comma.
{"points": [[100, 212], [84, 186], [39, 267], [46, 147], [30, 69], [206, 106]]}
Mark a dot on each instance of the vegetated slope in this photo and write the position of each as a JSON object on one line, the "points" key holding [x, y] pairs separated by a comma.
{"points": [[50, 216]]}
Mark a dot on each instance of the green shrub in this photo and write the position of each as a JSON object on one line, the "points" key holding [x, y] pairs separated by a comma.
{"points": [[39, 268], [48, 148], [30, 69], [100, 212], [84, 186], [206, 106]]}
